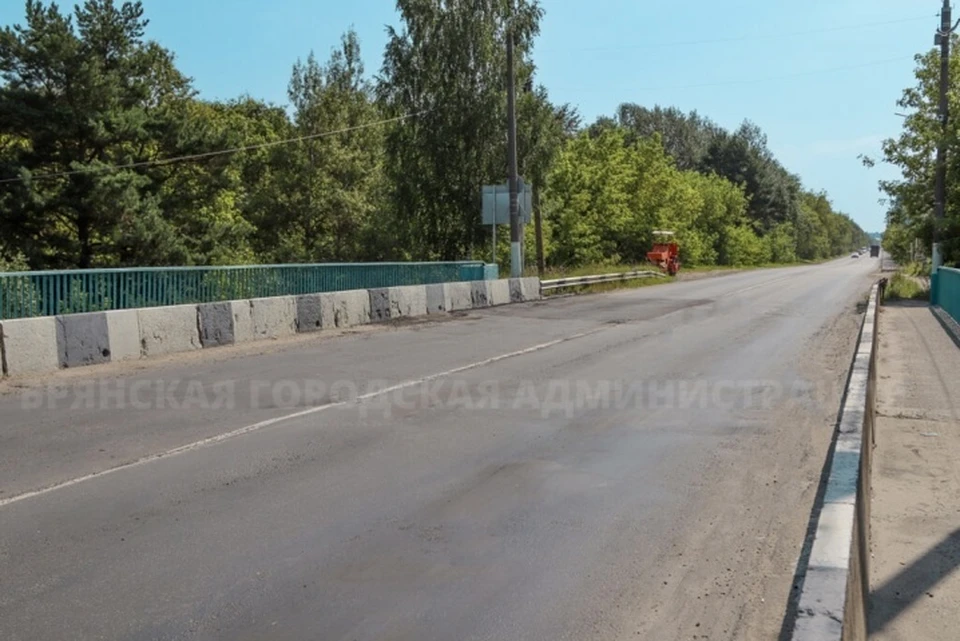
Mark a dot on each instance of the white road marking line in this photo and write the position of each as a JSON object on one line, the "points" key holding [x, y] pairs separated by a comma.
{"points": [[287, 417]]}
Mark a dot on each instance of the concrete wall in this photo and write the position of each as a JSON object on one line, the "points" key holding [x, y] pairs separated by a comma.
{"points": [[833, 603], [29, 346], [38, 345], [168, 330]]}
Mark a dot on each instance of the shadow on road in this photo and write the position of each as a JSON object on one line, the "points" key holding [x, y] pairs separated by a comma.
{"points": [[914, 582]]}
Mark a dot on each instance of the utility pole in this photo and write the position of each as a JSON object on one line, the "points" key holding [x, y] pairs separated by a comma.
{"points": [[943, 39], [516, 266], [538, 227]]}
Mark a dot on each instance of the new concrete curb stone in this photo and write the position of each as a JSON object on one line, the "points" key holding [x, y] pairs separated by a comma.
{"points": [[242, 321], [274, 317], [83, 339], [436, 299], [168, 330], [833, 601], [458, 296], [499, 291], [409, 300], [123, 330], [30, 346]]}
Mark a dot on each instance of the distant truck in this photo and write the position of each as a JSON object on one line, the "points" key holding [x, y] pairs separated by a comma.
{"points": [[874, 251]]}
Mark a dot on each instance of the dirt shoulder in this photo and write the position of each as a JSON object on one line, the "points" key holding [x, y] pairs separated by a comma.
{"points": [[915, 520]]}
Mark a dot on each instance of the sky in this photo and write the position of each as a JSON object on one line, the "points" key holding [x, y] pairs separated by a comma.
{"points": [[821, 77]]}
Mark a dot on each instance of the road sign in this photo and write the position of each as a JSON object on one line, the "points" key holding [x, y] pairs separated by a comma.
{"points": [[496, 203]]}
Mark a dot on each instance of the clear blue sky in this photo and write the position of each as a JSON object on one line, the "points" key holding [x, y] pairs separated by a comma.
{"points": [[598, 54]]}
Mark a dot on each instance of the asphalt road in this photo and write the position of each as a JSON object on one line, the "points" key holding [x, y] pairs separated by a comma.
{"points": [[636, 464]]}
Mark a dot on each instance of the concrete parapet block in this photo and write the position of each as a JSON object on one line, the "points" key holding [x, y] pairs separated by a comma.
{"points": [[83, 339], [242, 321], [168, 330], [123, 329], [309, 313], [379, 304], [458, 295], [479, 294], [530, 288], [410, 300], [345, 309], [216, 324], [499, 291], [437, 302], [274, 317], [29, 346]]}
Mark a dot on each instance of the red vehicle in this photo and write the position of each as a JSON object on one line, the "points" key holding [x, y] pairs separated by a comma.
{"points": [[665, 253]]}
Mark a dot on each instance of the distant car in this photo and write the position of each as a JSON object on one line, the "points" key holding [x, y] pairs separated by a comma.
{"points": [[854, 255]]}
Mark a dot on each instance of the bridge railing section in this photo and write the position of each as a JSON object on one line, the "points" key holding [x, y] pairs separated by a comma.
{"points": [[49, 293], [945, 291]]}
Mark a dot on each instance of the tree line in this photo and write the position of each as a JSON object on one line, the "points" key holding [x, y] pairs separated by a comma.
{"points": [[911, 198], [108, 156]]}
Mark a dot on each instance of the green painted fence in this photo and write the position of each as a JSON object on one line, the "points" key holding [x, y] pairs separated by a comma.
{"points": [[945, 291], [48, 293]]}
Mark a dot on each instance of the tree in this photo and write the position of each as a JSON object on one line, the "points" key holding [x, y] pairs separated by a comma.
{"points": [[329, 183], [445, 69], [83, 98], [914, 151]]}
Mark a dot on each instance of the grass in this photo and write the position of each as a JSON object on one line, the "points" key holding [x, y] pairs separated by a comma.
{"points": [[902, 286]]}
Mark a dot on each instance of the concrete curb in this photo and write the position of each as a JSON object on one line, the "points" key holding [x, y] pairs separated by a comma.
{"points": [[45, 344], [949, 324], [833, 602]]}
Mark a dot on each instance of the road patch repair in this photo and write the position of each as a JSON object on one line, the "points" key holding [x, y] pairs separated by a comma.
{"points": [[833, 602], [32, 346]]}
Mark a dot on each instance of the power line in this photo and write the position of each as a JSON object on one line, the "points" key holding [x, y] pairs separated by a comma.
{"points": [[771, 36], [210, 154], [748, 81]]}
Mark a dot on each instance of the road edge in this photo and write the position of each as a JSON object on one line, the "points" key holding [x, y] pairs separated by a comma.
{"points": [[833, 598]]}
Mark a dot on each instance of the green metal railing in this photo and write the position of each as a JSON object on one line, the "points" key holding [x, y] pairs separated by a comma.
{"points": [[945, 290], [48, 293]]}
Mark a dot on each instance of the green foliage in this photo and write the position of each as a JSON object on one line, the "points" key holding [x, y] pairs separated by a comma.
{"points": [[904, 287], [910, 222], [15, 263]]}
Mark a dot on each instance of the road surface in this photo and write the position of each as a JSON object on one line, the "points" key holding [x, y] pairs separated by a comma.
{"points": [[635, 464]]}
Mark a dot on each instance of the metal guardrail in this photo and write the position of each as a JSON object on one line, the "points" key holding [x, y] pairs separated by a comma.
{"points": [[49, 293], [599, 278]]}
